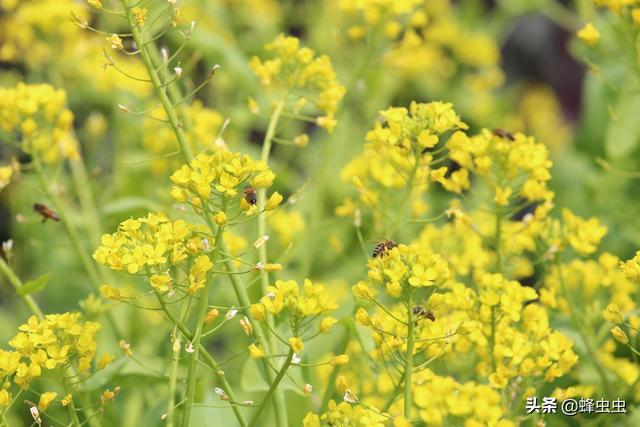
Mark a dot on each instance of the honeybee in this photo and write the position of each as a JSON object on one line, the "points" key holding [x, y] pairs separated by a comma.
{"points": [[423, 313], [503, 133], [46, 212], [250, 195], [383, 246]]}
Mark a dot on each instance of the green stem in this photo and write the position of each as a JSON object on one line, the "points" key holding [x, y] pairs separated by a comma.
{"points": [[60, 208], [492, 338], [408, 367], [340, 349], [74, 237], [262, 193], [272, 389], [402, 215], [396, 391], [158, 86], [585, 339], [173, 379], [81, 181], [208, 359], [17, 284], [280, 408], [498, 240], [499, 269], [71, 407], [202, 311]]}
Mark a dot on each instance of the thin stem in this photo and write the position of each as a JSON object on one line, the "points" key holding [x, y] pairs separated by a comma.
{"points": [[145, 48], [340, 349], [576, 324], [280, 409], [202, 311], [498, 239], [74, 237], [17, 284], [173, 378], [209, 360], [402, 215], [69, 228], [71, 406], [272, 389], [81, 181], [408, 367]]}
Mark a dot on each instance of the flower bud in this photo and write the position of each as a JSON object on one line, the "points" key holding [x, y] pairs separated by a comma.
{"points": [[341, 359], [620, 335]]}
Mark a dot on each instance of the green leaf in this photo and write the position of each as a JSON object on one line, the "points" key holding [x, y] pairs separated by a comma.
{"points": [[33, 285], [623, 135]]}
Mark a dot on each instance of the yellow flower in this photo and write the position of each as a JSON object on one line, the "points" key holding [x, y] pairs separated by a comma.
{"points": [[326, 324], [612, 314], [589, 34], [162, 282], [619, 335], [46, 399], [296, 344], [256, 351], [274, 201], [5, 176], [66, 400], [220, 218], [109, 292], [140, 13], [258, 312], [116, 42], [211, 315], [341, 359], [268, 267], [105, 360]]}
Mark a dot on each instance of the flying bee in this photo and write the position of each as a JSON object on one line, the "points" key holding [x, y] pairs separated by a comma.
{"points": [[383, 246], [504, 134], [250, 195], [46, 212], [423, 313]]}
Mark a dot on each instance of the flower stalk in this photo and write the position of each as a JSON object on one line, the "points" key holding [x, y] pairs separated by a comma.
{"points": [[272, 389]]}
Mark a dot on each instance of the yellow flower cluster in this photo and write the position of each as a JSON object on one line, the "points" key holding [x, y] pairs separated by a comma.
{"points": [[386, 14], [442, 401], [202, 134], [512, 166], [461, 247], [583, 235], [38, 34], [58, 341], [615, 6], [299, 73], [431, 43], [400, 149], [512, 339], [222, 174], [631, 269], [311, 300], [37, 117], [402, 267], [416, 129], [153, 242], [344, 414], [302, 306]]}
